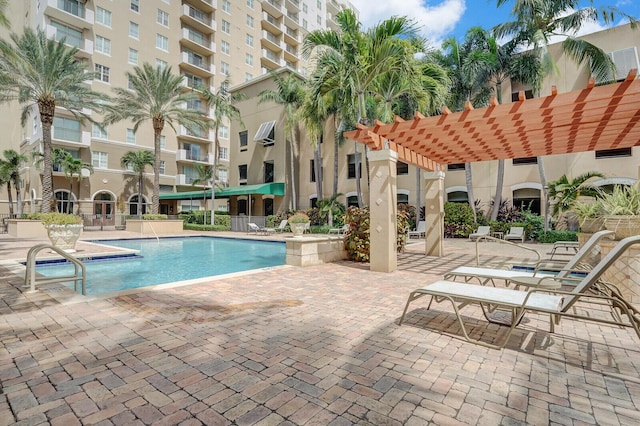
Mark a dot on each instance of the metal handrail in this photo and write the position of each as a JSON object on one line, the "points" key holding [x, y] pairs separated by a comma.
{"points": [[30, 279], [498, 240]]}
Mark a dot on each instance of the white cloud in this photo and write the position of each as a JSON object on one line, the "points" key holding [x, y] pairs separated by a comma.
{"points": [[436, 21], [588, 27]]}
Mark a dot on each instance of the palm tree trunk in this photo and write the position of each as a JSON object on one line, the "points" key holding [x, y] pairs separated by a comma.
{"points": [[545, 191], [294, 194], [317, 165], [158, 125], [497, 199], [140, 180], [10, 197], [19, 200], [358, 186], [336, 153], [469, 182], [418, 194], [70, 192], [47, 173]]}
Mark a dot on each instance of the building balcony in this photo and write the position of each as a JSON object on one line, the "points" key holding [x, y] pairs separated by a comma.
{"points": [[273, 7], [292, 5], [271, 41], [84, 45], [73, 13], [196, 42], [197, 19], [202, 136], [207, 6], [195, 65], [70, 138], [271, 60], [187, 156], [292, 20], [331, 23], [271, 23], [292, 36], [186, 180], [291, 54]]}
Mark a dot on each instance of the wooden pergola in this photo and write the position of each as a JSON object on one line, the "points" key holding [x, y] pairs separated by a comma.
{"points": [[595, 118]]}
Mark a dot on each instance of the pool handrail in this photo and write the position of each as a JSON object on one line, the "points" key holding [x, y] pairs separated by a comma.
{"points": [[30, 279]]}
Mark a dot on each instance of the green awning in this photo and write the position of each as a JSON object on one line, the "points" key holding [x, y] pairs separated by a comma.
{"points": [[273, 188]]}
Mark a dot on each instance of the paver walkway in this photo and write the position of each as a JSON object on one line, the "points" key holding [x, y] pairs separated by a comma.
{"points": [[303, 346]]}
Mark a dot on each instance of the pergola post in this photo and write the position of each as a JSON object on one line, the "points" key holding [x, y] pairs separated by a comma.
{"points": [[434, 213], [383, 210]]}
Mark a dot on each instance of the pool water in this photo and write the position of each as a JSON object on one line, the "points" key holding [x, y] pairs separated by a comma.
{"points": [[170, 260]]}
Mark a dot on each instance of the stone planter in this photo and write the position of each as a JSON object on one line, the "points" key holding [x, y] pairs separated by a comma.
{"points": [[298, 229], [592, 225], [64, 236], [154, 227], [625, 272], [623, 226]]}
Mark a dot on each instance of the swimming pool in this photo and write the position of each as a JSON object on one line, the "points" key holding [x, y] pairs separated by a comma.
{"points": [[170, 260]]}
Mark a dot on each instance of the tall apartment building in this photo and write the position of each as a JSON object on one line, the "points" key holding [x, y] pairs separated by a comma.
{"points": [[205, 41], [522, 182]]}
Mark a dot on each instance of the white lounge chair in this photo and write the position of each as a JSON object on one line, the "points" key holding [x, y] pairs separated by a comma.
{"points": [[556, 303], [515, 233], [340, 231], [541, 270], [481, 232], [259, 230], [282, 226], [420, 230]]}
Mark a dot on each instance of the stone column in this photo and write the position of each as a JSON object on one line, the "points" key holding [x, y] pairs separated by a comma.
{"points": [[434, 213], [383, 210]]}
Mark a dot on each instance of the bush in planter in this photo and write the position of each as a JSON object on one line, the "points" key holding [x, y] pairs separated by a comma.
{"points": [[357, 241], [56, 218], [590, 215], [622, 210], [299, 217], [151, 216]]}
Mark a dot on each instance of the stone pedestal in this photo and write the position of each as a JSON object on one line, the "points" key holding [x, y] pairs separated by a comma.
{"points": [[625, 272], [314, 250], [434, 213], [154, 227]]}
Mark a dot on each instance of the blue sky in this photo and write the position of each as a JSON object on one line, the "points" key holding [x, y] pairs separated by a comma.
{"points": [[440, 19]]}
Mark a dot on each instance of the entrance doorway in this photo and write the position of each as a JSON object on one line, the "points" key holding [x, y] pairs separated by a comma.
{"points": [[103, 211]]}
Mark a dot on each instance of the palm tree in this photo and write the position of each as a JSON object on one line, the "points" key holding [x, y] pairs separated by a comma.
{"points": [[496, 64], [10, 169], [206, 175], [158, 96], [315, 112], [350, 60], [290, 93], [329, 207], [43, 73], [73, 168], [224, 108], [4, 21], [564, 192], [536, 21], [137, 161]]}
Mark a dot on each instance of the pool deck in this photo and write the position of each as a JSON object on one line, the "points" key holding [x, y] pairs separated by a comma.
{"points": [[300, 346]]}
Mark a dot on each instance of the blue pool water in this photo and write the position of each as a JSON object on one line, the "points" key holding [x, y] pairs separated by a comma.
{"points": [[170, 260]]}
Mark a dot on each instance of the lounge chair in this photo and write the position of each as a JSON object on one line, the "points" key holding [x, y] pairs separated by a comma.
{"points": [[515, 233], [340, 231], [556, 303], [420, 230], [482, 231], [541, 270], [252, 228], [282, 226]]}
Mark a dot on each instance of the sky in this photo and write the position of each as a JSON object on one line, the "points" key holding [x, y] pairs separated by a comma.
{"points": [[440, 19]]}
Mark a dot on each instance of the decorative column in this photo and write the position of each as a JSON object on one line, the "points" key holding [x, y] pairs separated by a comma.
{"points": [[434, 213], [383, 210]]}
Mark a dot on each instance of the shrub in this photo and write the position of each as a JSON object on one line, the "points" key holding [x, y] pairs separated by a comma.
{"points": [[553, 236], [299, 217], [357, 242], [534, 224], [150, 216], [56, 218], [458, 220], [198, 227]]}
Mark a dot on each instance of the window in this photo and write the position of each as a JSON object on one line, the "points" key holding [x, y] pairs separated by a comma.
{"points": [[224, 46], [131, 136], [226, 6], [66, 129], [130, 85], [525, 160], [102, 73], [223, 176], [226, 27], [161, 64], [611, 153], [305, 8], [319, 19], [134, 30], [135, 5], [312, 164], [163, 166], [224, 68], [224, 153], [351, 161], [266, 133], [319, 4], [248, 76], [352, 201], [249, 40], [304, 24], [528, 94], [99, 160], [72, 36], [103, 16], [162, 42], [402, 168], [268, 171], [458, 197], [103, 45], [242, 172], [250, 4], [455, 166], [243, 138], [162, 18], [248, 59], [74, 7], [223, 132], [402, 199], [249, 21], [133, 56], [99, 132], [163, 142]]}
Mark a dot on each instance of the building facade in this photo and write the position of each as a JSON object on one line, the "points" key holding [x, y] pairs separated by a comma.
{"points": [[205, 41]]}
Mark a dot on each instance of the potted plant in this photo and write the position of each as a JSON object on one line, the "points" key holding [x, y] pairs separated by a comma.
{"points": [[298, 222], [63, 229], [590, 216], [622, 210]]}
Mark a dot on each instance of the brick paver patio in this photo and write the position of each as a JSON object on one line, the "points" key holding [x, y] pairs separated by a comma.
{"points": [[302, 346]]}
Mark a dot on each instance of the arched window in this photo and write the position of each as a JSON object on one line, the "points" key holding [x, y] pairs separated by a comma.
{"points": [[64, 203], [527, 199], [458, 197], [133, 205]]}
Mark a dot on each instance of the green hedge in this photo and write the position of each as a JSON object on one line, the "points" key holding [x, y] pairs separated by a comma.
{"points": [[197, 217], [553, 236], [198, 227]]}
